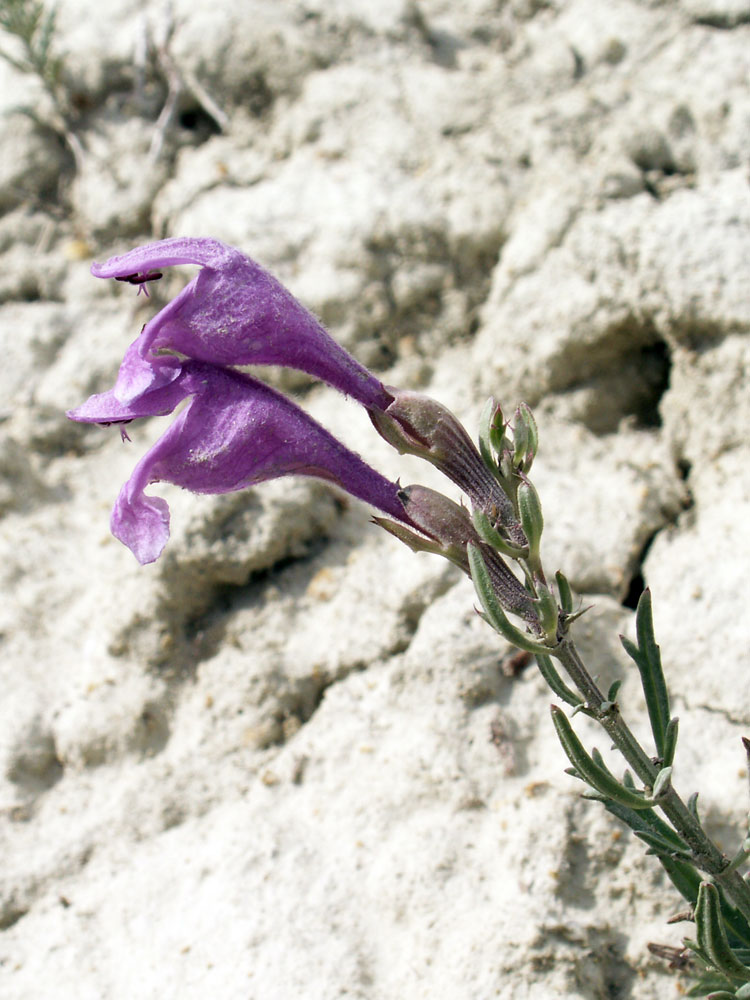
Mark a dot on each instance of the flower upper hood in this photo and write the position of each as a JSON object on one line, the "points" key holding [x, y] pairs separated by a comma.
{"points": [[233, 312]]}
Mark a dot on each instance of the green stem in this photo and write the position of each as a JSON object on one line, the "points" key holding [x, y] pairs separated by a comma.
{"points": [[706, 854]]}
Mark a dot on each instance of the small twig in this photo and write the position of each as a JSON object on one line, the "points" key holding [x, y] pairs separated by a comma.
{"points": [[678, 958], [140, 58], [177, 80], [205, 100], [44, 240], [174, 88]]}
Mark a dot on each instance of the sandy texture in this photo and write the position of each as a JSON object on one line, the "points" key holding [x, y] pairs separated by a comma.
{"points": [[284, 762]]}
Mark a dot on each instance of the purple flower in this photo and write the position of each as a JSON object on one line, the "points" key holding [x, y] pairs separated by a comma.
{"points": [[235, 431], [232, 313], [417, 425]]}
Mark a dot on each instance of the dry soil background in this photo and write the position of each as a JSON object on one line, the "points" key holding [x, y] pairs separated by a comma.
{"points": [[262, 768]]}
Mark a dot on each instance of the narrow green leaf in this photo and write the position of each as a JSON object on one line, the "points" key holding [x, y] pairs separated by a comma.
{"points": [[663, 782], [600, 779], [417, 543], [687, 880], [650, 822], [555, 681], [546, 610], [739, 930], [46, 33], [599, 760], [22, 67], [630, 817], [665, 831], [683, 876], [530, 513], [709, 982], [658, 723], [652, 677], [712, 937], [520, 442], [674, 858], [661, 846], [670, 741], [498, 438], [525, 416], [493, 537], [740, 857], [614, 687], [566, 594], [632, 650], [576, 615]]}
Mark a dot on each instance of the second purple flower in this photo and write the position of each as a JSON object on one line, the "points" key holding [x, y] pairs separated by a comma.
{"points": [[235, 431]]}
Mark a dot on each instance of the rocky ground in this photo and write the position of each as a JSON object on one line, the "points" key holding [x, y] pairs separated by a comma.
{"points": [[285, 761]]}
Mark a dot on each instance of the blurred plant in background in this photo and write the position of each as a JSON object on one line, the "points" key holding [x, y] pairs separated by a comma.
{"points": [[34, 52]]}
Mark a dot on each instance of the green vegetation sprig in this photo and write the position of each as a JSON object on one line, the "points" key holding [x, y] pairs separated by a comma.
{"points": [[718, 895], [33, 25]]}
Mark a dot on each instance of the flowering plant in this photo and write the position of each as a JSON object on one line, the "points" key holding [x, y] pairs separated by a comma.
{"points": [[237, 431]]}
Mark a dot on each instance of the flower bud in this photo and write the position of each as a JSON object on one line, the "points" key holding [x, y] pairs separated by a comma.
{"points": [[495, 604], [532, 521], [511, 593], [547, 610], [525, 438], [448, 531], [446, 525], [417, 425], [492, 438]]}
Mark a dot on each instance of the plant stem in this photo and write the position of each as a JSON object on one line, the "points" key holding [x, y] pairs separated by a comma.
{"points": [[706, 855]]}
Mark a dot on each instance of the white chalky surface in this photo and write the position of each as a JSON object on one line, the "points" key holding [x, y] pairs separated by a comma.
{"points": [[262, 768]]}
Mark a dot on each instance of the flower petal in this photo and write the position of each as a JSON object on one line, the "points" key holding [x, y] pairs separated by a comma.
{"points": [[163, 253], [235, 313], [138, 375], [141, 522], [236, 431], [108, 408]]}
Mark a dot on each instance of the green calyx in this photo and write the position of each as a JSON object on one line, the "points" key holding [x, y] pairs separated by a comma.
{"points": [[493, 611], [525, 438]]}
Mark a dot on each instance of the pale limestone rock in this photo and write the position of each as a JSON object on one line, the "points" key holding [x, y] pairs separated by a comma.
{"points": [[285, 761]]}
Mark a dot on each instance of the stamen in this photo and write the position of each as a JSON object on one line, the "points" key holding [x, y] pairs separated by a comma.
{"points": [[124, 436], [136, 278]]}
